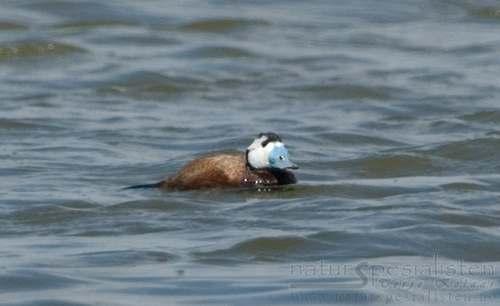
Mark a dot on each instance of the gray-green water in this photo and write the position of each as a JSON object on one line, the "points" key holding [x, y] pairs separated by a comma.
{"points": [[391, 108]]}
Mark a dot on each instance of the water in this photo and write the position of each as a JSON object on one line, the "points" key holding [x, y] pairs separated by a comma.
{"points": [[390, 108]]}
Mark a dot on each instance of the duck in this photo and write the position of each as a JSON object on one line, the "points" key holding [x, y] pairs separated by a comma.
{"points": [[264, 163]]}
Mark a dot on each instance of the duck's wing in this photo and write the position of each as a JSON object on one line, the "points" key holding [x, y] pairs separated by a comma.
{"points": [[222, 170]]}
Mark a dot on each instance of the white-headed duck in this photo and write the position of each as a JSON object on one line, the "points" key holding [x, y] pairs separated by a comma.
{"points": [[265, 163]]}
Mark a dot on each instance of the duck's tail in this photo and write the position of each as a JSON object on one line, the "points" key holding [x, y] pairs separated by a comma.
{"points": [[143, 186]]}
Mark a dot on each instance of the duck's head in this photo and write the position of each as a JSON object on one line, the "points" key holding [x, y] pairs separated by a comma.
{"points": [[267, 151]]}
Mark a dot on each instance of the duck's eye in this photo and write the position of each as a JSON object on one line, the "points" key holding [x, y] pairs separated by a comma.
{"points": [[282, 157]]}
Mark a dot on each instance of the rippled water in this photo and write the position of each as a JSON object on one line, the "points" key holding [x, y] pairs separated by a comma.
{"points": [[390, 108]]}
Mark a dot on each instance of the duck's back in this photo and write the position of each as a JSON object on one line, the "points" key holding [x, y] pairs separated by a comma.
{"points": [[220, 170]]}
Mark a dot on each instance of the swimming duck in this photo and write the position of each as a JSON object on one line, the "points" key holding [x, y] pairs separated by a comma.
{"points": [[264, 163]]}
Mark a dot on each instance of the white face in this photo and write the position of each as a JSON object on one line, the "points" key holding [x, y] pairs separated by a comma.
{"points": [[258, 156]]}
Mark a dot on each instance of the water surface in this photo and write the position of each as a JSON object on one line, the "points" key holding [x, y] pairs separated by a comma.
{"points": [[391, 109]]}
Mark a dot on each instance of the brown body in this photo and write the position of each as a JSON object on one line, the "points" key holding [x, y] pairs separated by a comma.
{"points": [[225, 170]]}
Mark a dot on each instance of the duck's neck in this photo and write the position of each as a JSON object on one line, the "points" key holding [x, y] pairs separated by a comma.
{"points": [[284, 176], [248, 165]]}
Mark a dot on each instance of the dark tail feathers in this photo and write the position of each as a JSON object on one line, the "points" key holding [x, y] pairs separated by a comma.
{"points": [[155, 185]]}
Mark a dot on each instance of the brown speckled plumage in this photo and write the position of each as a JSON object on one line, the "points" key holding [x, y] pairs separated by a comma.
{"points": [[225, 170]]}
